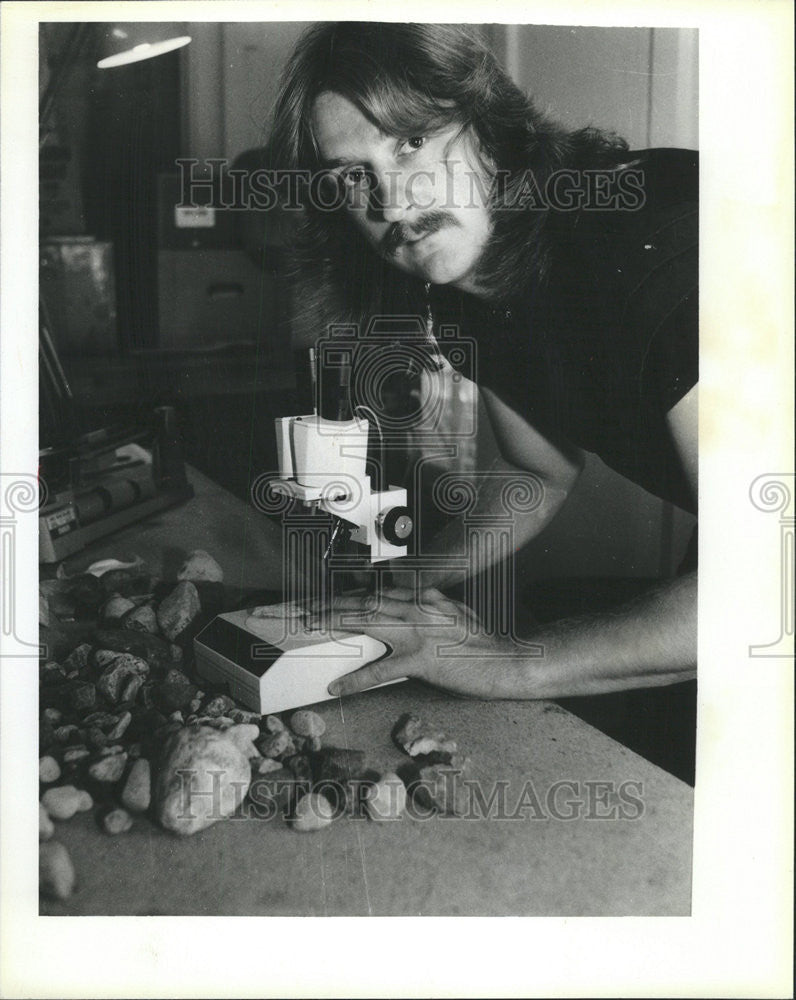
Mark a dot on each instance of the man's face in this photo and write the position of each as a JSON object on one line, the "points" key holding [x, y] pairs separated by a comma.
{"points": [[420, 200]]}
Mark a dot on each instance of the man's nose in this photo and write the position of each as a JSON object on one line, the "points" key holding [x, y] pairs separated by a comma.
{"points": [[393, 196]]}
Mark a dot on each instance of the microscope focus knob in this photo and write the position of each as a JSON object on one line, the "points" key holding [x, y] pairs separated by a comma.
{"points": [[396, 525]]}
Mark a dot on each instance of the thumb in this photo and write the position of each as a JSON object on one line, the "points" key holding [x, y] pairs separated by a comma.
{"points": [[388, 669]]}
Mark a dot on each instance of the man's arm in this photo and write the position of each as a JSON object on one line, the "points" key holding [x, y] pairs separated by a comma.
{"points": [[650, 642]]}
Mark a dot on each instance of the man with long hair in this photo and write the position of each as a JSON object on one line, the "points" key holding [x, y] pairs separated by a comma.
{"points": [[570, 260]]}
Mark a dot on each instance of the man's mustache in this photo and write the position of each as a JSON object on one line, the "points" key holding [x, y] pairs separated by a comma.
{"points": [[400, 233]]}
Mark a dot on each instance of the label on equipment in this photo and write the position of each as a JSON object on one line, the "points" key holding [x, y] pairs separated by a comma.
{"points": [[194, 217], [61, 521]]}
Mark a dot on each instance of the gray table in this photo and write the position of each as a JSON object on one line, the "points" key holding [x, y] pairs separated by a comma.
{"points": [[536, 863]]}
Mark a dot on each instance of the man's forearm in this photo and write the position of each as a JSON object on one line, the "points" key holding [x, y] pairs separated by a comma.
{"points": [[648, 643]]}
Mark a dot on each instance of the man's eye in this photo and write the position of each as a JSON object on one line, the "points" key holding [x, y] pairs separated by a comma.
{"points": [[354, 176]]}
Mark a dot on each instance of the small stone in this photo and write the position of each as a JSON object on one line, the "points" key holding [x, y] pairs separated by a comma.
{"points": [[110, 751], [313, 812], [241, 715], [200, 565], [276, 744], [222, 722], [306, 723], [116, 607], [386, 800], [176, 652], [75, 754], [194, 706], [109, 769], [51, 671], [121, 726], [203, 777], [46, 828], [273, 724], [243, 736], [142, 619], [62, 802], [96, 737], [264, 765], [219, 705], [177, 717], [83, 698], [436, 743], [66, 733], [56, 871], [176, 612], [314, 743], [131, 688], [133, 751], [150, 648], [104, 720], [117, 821], [137, 790], [408, 728], [53, 716], [103, 658], [84, 801], [113, 681], [176, 691], [78, 659], [49, 770]]}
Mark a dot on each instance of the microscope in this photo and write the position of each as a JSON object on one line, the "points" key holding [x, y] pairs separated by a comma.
{"points": [[267, 657]]}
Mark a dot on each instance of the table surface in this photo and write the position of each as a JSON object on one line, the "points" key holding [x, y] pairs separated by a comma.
{"points": [[626, 850]]}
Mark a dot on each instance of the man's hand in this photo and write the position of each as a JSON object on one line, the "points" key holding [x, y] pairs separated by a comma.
{"points": [[423, 630]]}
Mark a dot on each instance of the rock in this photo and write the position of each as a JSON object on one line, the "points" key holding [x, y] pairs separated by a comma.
{"points": [[142, 619], [386, 800], [49, 770], [242, 715], [83, 698], [62, 802], [116, 607], [96, 737], [120, 728], [265, 765], [85, 592], [407, 729], [175, 692], [84, 801], [313, 812], [148, 647], [314, 743], [243, 736], [137, 791], [52, 715], [176, 612], [306, 723], [78, 659], [219, 705], [127, 582], [113, 681], [75, 754], [109, 751], [214, 780], [273, 724], [50, 672], [200, 565], [117, 821], [131, 688], [109, 770], [56, 871], [435, 745], [44, 609], [276, 744], [46, 828], [67, 734]]}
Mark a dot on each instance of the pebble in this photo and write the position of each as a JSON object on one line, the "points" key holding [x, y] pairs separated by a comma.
{"points": [[109, 769], [408, 728], [78, 658], [46, 828], [131, 688], [142, 618], [83, 698], [74, 754], [436, 743], [49, 770], [116, 606], [121, 726], [62, 802], [137, 791], [202, 778], [313, 812], [96, 737], [386, 799], [275, 744], [176, 612], [242, 715], [117, 821], [264, 765], [200, 565], [53, 715], [219, 705], [273, 724], [306, 723], [113, 681], [109, 751], [65, 733], [84, 801], [176, 690], [56, 871]]}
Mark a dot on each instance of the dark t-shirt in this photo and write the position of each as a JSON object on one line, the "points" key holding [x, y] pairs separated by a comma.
{"points": [[607, 344]]}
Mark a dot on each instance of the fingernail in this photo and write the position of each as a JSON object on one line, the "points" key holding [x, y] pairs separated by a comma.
{"points": [[334, 689]]}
